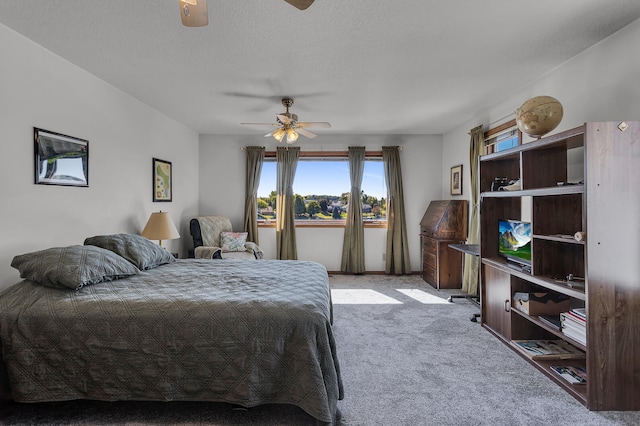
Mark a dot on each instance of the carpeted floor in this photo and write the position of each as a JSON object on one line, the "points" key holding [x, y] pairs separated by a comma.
{"points": [[407, 357]]}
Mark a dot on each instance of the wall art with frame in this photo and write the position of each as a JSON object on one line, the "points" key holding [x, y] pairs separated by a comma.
{"points": [[456, 180], [162, 180], [60, 159]]}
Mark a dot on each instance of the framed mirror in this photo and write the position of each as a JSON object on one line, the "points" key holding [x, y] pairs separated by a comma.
{"points": [[60, 159]]}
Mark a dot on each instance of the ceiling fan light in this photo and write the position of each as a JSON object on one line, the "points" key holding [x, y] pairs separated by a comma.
{"points": [[194, 13], [292, 135], [278, 135]]}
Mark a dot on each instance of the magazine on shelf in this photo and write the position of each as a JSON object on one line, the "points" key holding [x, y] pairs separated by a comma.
{"points": [[568, 322], [572, 374], [581, 312], [573, 328], [552, 321], [548, 349], [580, 337], [576, 318]]}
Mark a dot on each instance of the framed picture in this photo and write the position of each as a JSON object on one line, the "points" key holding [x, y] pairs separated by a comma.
{"points": [[456, 180], [161, 180], [60, 159]]}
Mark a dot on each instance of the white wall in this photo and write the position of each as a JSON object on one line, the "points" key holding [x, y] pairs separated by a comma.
{"points": [[599, 84], [222, 188], [39, 89]]}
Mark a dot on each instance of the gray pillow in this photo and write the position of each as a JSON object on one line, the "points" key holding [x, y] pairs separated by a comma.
{"points": [[72, 267], [136, 249]]}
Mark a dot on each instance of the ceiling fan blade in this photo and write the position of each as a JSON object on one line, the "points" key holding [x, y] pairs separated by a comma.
{"points": [[318, 124], [283, 118], [194, 13], [306, 133], [300, 4], [261, 124]]}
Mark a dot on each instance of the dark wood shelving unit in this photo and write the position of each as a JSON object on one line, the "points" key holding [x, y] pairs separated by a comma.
{"points": [[578, 180]]}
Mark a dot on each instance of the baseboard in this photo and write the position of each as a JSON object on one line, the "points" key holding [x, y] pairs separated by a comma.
{"points": [[369, 273]]}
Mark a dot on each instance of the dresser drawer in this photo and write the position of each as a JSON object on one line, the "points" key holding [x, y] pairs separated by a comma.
{"points": [[429, 275], [429, 245]]}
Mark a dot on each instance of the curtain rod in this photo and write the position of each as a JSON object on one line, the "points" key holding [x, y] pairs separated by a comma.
{"points": [[244, 148], [498, 120]]}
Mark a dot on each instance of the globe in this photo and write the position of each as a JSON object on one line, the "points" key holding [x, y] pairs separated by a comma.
{"points": [[538, 116]]}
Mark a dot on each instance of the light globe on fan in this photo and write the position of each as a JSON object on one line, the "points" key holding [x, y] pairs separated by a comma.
{"points": [[287, 127], [539, 115]]}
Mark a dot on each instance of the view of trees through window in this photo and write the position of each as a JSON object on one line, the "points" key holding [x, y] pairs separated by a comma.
{"points": [[321, 190]]}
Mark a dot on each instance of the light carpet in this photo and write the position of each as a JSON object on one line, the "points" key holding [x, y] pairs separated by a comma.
{"points": [[408, 357]]}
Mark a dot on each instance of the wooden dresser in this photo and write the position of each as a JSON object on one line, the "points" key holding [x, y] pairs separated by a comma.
{"points": [[444, 223]]}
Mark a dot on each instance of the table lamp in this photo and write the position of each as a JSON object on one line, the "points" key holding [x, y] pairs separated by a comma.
{"points": [[160, 227]]}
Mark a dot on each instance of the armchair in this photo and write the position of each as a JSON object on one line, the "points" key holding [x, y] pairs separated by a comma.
{"points": [[206, 230]]}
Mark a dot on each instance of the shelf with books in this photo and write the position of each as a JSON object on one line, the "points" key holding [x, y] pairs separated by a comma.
{"points": [[563, 179], [574, 325], [535, 319], [574, 375], [578, 391], [544, 349]]}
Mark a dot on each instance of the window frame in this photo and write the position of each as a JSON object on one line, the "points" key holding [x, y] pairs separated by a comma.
{"points": [[326, 223], [495, 133]]}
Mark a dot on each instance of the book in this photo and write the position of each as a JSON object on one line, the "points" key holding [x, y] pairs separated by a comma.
{"points": [[577, 336], [569, 320], [575, 317], [572, 374], [552, 321], [574, 328], [548, 349], [581, 312]]}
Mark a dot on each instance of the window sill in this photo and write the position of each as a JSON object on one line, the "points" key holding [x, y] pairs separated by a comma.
{"points": [[323, 224]]}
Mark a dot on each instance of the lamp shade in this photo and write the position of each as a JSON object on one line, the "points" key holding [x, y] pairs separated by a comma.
{"points": [[194, 13], [160, 227], [292, 135], [278, 135]]}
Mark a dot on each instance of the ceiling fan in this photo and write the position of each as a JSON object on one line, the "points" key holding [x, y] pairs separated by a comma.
{"points": [[194, 12], [287, 125]]}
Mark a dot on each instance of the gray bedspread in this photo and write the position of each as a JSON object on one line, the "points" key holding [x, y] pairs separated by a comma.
{"points": [[242, 332]]}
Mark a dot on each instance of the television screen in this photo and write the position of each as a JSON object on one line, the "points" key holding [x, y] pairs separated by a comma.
{"points": [[515, 240]]}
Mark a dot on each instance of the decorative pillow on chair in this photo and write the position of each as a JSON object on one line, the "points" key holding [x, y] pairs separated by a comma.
{"points": [[233, 241]]}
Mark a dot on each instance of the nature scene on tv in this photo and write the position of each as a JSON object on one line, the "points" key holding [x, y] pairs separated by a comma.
{"points": [[515, 239]]}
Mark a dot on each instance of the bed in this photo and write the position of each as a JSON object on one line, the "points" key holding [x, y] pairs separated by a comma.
{"points": [[240, 332]]}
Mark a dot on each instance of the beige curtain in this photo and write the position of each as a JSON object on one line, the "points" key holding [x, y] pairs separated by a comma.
{"points": [[353, 243], [255, 158], [397, 246], [287, 158], [471, 263]]}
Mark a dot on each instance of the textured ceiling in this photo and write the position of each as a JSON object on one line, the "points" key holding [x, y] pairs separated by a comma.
{"points": [[389, 67]]}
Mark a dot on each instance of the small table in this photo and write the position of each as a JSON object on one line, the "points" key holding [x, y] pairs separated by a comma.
{"points": [[473, 250]]}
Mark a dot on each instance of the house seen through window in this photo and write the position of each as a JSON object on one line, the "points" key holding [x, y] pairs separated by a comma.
{"points": [[321, 191]]}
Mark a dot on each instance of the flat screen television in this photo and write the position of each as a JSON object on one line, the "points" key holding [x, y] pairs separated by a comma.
{"points": [[515, 241]]}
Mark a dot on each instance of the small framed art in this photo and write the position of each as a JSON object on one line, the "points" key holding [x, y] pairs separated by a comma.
{"points": [[456, 180], [162, 178], [60, 159]]}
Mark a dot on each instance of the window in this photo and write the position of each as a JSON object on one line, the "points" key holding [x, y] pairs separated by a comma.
{"points": [[502, 137], [321, 190]]}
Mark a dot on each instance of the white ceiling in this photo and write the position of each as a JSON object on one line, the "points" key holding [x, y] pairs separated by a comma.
{"points": [[366, 66]]}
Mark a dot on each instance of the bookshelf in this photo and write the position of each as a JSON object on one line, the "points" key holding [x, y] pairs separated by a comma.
{"points": [[585, 179]]}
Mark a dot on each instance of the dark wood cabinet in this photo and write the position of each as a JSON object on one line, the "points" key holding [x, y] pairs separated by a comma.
{"points": [[444, 223], [581, 180]]}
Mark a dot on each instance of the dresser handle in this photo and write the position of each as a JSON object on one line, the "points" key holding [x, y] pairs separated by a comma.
{"points": [[507, 305]]}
